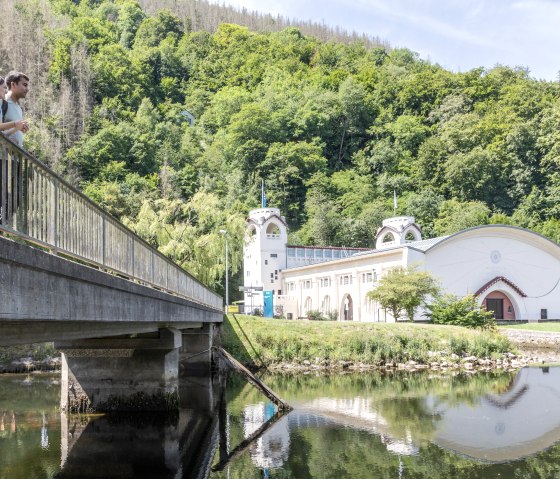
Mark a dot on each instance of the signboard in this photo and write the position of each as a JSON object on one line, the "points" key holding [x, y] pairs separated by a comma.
{"points": [[268, 304]]}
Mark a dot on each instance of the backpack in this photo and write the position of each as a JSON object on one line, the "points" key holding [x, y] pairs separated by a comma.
{"points": [[4, 109]]}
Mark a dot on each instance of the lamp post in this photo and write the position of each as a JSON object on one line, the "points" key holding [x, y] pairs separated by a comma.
{"points": [[224, 232]]}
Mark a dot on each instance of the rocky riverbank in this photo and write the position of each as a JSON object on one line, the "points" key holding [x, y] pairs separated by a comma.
{"points": [[532, 348], [29, 358]]}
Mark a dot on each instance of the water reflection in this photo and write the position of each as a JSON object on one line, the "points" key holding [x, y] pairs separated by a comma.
{"points": [[520, 421], [351, 426], [483, 426]]}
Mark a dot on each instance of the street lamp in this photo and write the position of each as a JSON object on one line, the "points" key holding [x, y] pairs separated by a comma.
{"points": [[224, 232]]}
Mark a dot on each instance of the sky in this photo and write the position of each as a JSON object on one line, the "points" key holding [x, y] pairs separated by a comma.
{"points": [[457, 34]]}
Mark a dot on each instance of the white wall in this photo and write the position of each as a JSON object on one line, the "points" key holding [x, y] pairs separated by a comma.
{"points": [[468, 260]]}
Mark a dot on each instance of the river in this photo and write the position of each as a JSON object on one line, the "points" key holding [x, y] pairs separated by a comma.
{"points": [[400, 425]]}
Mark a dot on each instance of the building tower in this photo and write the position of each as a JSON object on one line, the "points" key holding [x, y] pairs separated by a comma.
{"points": [[397, 231], [266, 237]]}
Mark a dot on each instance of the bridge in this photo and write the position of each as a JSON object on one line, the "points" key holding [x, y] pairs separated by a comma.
{"points": [[125, 318]]}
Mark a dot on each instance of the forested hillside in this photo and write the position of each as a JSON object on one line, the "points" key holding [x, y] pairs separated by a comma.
{"points": [[332, 127]]}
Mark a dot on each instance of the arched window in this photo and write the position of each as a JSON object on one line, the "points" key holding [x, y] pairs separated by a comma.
{"points": [[273, 230], [388, 238], [410, 236], [252, 232], [326, 304], [308, 306]]}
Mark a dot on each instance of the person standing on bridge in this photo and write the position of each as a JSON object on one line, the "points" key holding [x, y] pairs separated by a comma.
{"points": [[18, 87], [8, 127]]}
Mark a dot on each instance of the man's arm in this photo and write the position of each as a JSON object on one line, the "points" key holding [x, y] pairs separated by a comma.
{"points": [[11, 127]]}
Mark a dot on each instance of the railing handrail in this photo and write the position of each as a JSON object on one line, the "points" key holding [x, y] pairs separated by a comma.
{"points": [[10, 149]]}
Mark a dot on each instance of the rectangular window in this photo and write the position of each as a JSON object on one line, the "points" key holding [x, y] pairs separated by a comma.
{"points": [[544, 313], [291, 253], [272, 275], [336, 253], [265, 261], [273, 255], [327, 253], [300, 253], [309, 253], [319, 253], [279, 292]]}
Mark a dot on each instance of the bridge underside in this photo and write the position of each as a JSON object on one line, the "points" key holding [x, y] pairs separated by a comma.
{"points": [[123, 344]]}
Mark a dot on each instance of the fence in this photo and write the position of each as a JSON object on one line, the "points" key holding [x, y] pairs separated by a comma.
{"points": [[40, 207]]}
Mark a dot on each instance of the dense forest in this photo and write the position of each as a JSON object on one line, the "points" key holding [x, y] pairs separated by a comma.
{"points": [[333, 123]]}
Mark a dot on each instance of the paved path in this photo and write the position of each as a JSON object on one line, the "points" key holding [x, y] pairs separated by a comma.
{"points": [[538, 344]]}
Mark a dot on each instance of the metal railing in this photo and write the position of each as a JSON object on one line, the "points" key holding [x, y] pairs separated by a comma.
{"points": [[40, 207]]}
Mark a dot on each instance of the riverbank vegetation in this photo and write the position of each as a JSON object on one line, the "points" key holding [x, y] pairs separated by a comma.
{"points": [[332, 127], [262, 342]]}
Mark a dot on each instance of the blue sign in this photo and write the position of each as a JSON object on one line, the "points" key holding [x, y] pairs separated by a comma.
{"points": [[268, 304]]}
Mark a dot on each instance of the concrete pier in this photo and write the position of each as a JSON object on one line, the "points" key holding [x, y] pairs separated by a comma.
{"points": [[108, 374], [196, 351]]}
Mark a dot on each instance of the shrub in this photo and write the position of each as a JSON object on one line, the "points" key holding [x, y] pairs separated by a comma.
{"points": [[315, 315], [464, 312], [332, 315], [258, 312]]}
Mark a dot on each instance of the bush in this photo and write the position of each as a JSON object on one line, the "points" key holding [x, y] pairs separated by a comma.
{"points": [[332, 315], [258, 312], [464, 312], [315, 315]]}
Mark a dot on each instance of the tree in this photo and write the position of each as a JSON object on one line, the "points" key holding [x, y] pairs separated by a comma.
{"points": [[404, 289], [458, 215]]}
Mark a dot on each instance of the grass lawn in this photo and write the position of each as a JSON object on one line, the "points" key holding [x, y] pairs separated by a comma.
{"points": [[264, 341], [549, 327]]}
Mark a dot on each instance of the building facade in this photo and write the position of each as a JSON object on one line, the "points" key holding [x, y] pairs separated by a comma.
{"points": [[512, 271]]}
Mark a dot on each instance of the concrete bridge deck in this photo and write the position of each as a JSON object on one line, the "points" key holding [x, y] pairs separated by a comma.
{"points": [[44, 297]]}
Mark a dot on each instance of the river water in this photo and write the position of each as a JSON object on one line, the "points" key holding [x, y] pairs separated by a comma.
{"points": [[401, 425]]}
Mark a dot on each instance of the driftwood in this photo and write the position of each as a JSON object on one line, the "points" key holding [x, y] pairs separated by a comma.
{"points": [[269, 393]]}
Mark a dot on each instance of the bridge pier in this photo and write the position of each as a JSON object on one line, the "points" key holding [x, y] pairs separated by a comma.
{"points": [[196, 351], [107, 374]]}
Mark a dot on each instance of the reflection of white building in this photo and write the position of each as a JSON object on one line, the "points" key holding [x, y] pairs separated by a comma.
{"points": [[521, 421], [272, 449], [513, 271]]}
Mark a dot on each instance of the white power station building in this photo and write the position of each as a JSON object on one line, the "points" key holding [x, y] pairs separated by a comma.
{"points": [[513, 271]]}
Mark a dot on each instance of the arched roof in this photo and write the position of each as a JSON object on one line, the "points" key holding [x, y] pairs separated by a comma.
{"points": [[504, 230], [496, 280]]}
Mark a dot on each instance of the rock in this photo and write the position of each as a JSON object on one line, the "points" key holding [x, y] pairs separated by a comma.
{"points": [[468, 365], [306, 362]]}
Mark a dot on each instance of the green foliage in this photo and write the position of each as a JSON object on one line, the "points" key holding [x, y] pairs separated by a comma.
{"points": [[333, 128], [449, 309], [404, 290], [252, 340], [315, 315]]}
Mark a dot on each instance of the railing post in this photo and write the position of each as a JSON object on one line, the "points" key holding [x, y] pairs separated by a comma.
{"points": [[103, 241], [53, 216], [132, 256]]}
